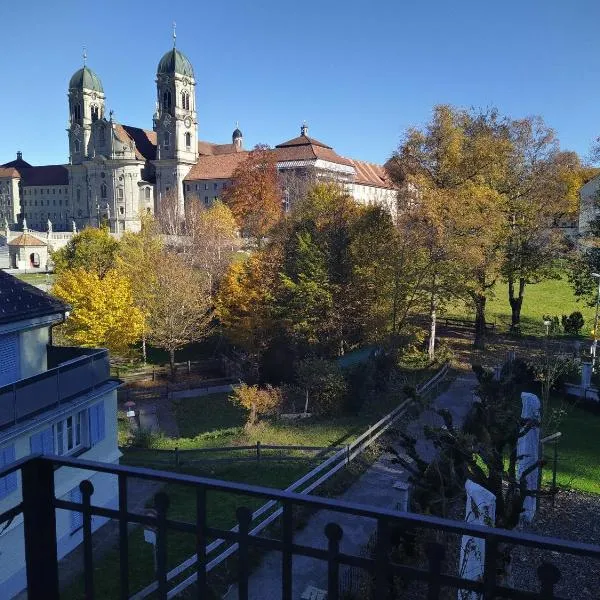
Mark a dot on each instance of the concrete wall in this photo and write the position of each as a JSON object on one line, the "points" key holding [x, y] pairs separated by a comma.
{"points": [[12, 552]]}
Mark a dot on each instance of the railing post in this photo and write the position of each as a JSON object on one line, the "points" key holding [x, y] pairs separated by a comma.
{"points": [[87, 489], [201, 541], [123, 538], [161, 501], [244, 517], [258, 452], [286, 555], [435, 555], [381, 567], [490, 567], [39, 528], [334, 534], [549, 576]]}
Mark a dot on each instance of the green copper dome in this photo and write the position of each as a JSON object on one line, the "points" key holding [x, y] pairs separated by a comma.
{"points": [[175, 62], [86, 78]]}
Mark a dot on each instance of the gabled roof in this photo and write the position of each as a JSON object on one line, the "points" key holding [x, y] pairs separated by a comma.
{"points": [[20, 301], [144, 140], [216, 167], [303, 140], [46, 175], [210, 149], [18, 163], [26, 239]]}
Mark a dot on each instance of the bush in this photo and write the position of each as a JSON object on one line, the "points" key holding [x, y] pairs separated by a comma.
{"points": [[325, 383], [573, 324], [258, 401], [554, 327]]}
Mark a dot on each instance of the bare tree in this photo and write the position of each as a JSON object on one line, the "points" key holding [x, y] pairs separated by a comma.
{"points": [[179, 310], [169, 214]]}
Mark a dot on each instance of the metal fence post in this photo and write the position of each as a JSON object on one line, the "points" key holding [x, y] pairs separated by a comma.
{"points": [[258, 452], [39, 524]]}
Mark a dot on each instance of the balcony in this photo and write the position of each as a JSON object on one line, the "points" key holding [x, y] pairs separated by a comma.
{"points": [[72, 372], [436, 578]]}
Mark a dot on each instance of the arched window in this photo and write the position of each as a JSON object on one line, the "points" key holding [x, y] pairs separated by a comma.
{"points": [[103, 191], [76, 112], [147, 193], [185, 100], [120, 193], [94, 112], [76, 145], [166, 139], [34, 259], [167, 100], [188, 139]]}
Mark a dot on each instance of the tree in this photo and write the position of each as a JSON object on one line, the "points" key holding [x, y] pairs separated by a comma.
{"points": [[169, 214], [254, 194], [323, 383], [136, 258], [213, 236], [103, 313], [257, 401], [179, 309], [93, 250], [463, 156]]}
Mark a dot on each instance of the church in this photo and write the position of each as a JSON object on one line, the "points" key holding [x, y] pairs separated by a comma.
{"points": [[117, 172]]}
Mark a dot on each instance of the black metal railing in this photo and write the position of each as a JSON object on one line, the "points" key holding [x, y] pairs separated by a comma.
{"points": [[80, 373], [39, 506]]}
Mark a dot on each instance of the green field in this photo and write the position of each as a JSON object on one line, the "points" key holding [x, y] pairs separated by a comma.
{"points": [[578, 451], [553, 297]]}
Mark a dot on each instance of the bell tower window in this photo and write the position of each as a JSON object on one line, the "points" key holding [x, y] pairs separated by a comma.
{"points": [[94, 110], [167, 100], [76, 145], [166, 139], [77, 112], [188, 139], [185, 101]]}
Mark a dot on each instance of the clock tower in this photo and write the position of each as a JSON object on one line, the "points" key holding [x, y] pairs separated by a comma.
{"points": [[175, 123]]}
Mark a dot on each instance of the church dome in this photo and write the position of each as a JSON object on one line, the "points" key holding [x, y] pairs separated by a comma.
{"points": [[175, 61], [237, 134], [86, 78]]}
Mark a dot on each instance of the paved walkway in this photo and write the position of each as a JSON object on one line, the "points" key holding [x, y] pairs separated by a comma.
{"points": [[374, 488]]}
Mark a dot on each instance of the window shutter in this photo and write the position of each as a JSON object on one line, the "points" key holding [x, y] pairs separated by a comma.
{"points": [[76, 516], [36, 444], [42, 442], [97, 425], [9, 358], [101, 423], [8, 484]]}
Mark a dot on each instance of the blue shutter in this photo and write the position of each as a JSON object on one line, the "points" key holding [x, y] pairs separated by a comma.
{"points": [[97, 426], [8, 484], [76, 516], [42, 442], [101, 423]]}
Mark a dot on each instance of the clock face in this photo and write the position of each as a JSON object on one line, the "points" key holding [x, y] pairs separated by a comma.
{"points": [[187, 122]]}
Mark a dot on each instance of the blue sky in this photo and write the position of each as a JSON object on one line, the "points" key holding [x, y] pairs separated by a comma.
{"points": [[359, 72]]}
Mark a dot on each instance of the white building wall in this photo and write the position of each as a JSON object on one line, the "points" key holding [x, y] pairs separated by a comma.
{"points": [[589, 204], [40, 203], [12, 544], [205, 190], [33, 351]]}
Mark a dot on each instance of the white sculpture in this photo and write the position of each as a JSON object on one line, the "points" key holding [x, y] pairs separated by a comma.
{"points": [[528, 450], [480, 510]]}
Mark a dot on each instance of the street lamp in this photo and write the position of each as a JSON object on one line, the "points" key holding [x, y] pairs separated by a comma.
{"points": [[595, 344]]}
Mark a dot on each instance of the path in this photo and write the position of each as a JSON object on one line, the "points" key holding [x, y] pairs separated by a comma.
{"points": [[374, 488]]}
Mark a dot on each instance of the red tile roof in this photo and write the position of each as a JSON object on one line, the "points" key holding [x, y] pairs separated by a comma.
{"points": [[9, 172], [26, 239], [306, 148], [303, 140], [210, 149], [371, 174], [144, 139], [216, 167]]}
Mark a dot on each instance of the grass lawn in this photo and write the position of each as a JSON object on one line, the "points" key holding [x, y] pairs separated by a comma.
{"points": [[578, 452], [553, 297], [36, 278]]}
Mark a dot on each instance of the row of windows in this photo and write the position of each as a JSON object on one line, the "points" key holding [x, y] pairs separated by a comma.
{"points": [[34, 191], [29, 215], [71, 435], [35, 202], [190, 186]]}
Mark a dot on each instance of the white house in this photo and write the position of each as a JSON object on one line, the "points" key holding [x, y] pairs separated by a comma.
{"points": [[589, 206], [53, 400]]}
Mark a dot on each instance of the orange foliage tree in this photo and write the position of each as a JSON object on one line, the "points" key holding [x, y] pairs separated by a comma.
{"points": [[254, 195]]}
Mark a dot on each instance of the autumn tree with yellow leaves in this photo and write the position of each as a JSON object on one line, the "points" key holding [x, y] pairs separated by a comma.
{"points": [[103, 314]]}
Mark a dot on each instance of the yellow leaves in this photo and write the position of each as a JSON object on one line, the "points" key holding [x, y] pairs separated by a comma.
{"points": [[103, 311]]}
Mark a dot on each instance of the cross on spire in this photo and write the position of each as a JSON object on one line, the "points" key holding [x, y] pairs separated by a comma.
{"points": [[84, 55], [174, 34]]}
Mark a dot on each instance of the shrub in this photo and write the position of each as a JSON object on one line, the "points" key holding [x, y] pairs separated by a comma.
{"points": [[572, 324], [554, 327], [258, 401], [325, 384]]}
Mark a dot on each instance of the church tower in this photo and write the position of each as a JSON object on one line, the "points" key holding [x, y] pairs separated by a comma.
{"points": [[175, 123], [86, 105]]}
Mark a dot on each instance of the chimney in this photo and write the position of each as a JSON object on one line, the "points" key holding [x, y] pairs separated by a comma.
{"points": [[19, 155]]}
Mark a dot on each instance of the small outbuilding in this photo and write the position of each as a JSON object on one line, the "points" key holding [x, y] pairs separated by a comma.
{"points": [[28, 252]]}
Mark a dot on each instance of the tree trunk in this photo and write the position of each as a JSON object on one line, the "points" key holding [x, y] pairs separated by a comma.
{"points": [[395, 303], [433, 316], [479, 300], [172, 362], [516, 303], [144, 348]]}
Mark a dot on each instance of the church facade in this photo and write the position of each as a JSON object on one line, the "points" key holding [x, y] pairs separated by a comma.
{"points": [[117, 172]]}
